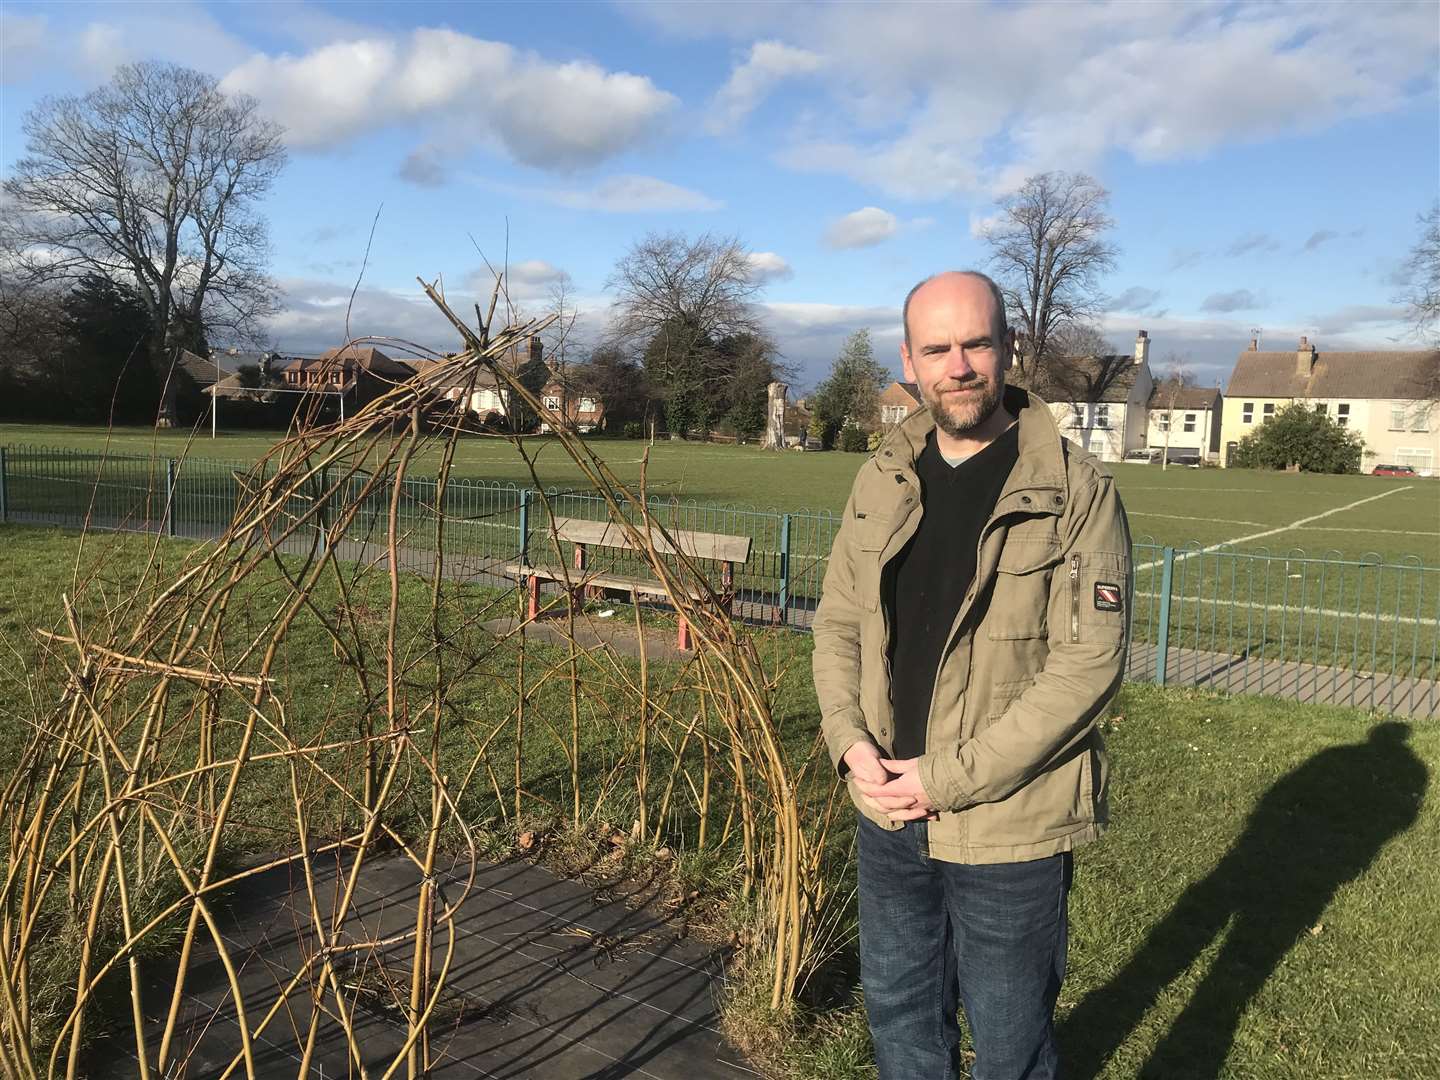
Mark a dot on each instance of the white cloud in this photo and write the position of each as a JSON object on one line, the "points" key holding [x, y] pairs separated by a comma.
{"points": [[627, 194], [1157, 81], [550, 115], [862, 228], [769, 63], [768, 266], [810, 335]]}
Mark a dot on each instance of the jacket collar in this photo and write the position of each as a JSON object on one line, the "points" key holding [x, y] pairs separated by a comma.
{"points": [[1039, 464]]}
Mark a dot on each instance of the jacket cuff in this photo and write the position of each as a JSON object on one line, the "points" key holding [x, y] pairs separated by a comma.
{"points": [[841, 733], [944, 782]]}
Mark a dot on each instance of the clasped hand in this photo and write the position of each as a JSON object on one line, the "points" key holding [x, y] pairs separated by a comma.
{"points": [[891, 787]]}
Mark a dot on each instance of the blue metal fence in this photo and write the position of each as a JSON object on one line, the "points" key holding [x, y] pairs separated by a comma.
{"points": [[1356, 631]]}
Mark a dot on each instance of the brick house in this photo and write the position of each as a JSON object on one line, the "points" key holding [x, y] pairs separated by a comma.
{"points": [[897, 401], [1391, 397]]}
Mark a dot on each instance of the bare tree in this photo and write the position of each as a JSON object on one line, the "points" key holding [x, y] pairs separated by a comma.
{"points": [[152, 180], [1421, 272], [1081, 339], [1168, 392], [708, 284], [1049, 250]]}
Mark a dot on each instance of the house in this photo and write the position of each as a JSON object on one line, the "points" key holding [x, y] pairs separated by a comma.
{"points": [[897, 401], [583, 409], [206, 373], [1188, 424], [1392, 398], [1099, 402]]}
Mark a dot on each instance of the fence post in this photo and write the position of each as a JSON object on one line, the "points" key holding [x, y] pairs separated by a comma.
{"points": [[784, 570], [4, 490], [524, 525], [1162, 647], [320, 511], [170, 507]]}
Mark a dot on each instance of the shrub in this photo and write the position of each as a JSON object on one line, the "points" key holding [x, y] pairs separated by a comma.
{"points": [[1300, 436], [634, 429], [853, 440]]}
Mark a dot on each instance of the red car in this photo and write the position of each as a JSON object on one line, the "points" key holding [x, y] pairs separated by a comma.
{"points": [[1393, 470]]}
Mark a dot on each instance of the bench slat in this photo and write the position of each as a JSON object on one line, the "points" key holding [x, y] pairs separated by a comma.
{"points": [[648, 586], [719, 547]]}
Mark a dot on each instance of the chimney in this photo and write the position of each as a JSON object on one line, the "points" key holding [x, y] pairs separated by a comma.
{"points": [[1304, 359], [1254, 344], [537, 349], [1142, 347]]}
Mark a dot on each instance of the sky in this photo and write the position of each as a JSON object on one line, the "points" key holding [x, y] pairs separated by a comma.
{"points": [[1266, 161]]}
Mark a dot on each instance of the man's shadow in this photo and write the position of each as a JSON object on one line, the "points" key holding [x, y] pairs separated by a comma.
{"points": [[1317, 828]]}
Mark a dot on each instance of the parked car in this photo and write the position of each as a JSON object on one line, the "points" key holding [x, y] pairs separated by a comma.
{"points": [[1143, 454], [1393, 470]]}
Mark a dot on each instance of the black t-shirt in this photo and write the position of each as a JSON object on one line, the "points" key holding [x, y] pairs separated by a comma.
{"points": [[933, 572]]}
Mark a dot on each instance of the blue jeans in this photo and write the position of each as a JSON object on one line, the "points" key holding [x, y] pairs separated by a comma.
{"points": [[992, 936]]}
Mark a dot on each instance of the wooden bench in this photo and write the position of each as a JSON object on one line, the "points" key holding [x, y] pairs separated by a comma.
{"points": [[727, 550]]}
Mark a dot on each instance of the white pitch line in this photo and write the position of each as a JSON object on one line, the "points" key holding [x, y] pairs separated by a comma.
{"points": [[1274, 532], [1187, 517], [1329, 613]]}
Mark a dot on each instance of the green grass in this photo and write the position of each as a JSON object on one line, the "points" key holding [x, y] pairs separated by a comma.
{"points": [[1173, 506], [1266, 891]]}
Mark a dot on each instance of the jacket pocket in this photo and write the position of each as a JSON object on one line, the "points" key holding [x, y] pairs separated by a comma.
{"points": [[871, 535], [1021, 593], [1098, 598]]}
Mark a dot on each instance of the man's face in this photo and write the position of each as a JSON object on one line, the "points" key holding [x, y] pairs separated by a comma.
{"points": [[954, 354]]}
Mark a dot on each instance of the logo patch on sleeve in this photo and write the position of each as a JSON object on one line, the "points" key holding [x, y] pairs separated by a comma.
{"points": [[1108, 597]]}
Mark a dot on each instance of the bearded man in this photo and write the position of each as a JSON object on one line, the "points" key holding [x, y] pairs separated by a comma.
{"points": [[971, 628]]}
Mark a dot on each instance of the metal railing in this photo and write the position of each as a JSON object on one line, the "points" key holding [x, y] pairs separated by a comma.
{"points": [[1354, 631]]}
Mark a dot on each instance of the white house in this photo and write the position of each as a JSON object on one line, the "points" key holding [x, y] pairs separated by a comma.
{"points": [[1391, 397], [1100, 402], [1191, 421]]}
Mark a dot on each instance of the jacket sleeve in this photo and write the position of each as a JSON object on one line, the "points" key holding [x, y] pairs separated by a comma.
{"points": [[1082, 671], [836, 658]]}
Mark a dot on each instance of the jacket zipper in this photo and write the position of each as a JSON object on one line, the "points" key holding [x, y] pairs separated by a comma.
{"points": [[1074, 599]]}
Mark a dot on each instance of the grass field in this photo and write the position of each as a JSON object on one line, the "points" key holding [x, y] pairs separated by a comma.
{"points": [[1346, 515], [1263, 905]]}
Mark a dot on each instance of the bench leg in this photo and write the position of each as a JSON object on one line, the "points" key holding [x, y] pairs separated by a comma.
{"points": [[684, 641], [532, 587]]}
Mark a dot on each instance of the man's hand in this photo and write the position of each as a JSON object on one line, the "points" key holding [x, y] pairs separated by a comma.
{"points": [[901, 798], [863, 760]]}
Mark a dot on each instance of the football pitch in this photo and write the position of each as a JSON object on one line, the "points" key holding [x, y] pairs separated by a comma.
{"points": [[1350, 517]]}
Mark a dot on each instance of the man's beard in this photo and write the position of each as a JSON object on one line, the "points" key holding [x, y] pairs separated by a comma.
{"points": [[959, 414]]}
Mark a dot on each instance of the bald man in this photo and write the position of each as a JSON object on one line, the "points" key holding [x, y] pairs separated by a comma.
{"points": [[971, 629]]}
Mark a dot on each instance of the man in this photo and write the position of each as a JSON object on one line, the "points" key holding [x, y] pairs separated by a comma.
{"points": [[971, 629]]}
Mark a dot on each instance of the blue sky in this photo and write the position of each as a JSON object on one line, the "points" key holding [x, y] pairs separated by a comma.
{"points": [[1266, 161]]}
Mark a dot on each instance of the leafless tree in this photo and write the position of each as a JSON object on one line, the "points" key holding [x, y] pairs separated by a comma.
{"points": [[1081, 339], [560, 337], [152, 180], [1421, 291], [1049, 250], [1168, 392], [707, 284]]}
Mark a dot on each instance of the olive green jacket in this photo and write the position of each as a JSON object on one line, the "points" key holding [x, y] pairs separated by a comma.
{"points": [[1013, 759]]}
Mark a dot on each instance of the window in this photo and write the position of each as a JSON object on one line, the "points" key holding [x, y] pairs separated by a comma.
{"points": [[1397, 416], [1190, 423], [552, 402], [1420, 418], [1162, 422], [1342, 413], [1097, 446], [1247, 413], [1420, 459], [1269, 410], [587, 404], [1077, 415], [1102, 416], [1320, 407]]}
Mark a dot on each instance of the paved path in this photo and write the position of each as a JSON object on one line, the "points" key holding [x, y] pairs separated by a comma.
{"points": [[550, 978]]}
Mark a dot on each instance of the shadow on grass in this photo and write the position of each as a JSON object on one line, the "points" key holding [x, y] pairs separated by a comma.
{"points": [[1318, 827]]}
